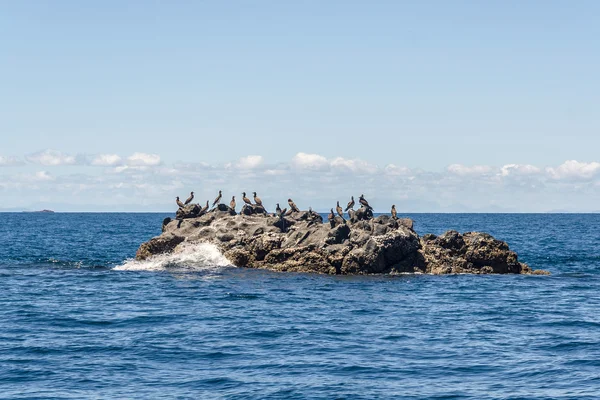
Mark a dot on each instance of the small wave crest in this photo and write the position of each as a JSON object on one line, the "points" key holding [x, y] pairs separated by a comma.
{"points": [[188, 257]]}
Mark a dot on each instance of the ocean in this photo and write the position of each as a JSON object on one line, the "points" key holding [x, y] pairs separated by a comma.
{"points": [[80, 319]]}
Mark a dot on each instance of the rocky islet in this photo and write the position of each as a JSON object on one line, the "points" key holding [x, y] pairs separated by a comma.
{"points": [[359, 244]]}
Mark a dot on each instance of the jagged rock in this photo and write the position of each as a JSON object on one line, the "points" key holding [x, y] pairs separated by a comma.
{"points": [[472, 252], [301, 242], [165, 223], [189, 211], [252, 209], [225, 208], [164, 243]]}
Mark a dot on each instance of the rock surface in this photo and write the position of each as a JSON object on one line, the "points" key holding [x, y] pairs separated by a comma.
{"points": [[301, 242]]}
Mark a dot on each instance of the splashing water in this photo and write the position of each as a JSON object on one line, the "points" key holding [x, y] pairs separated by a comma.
{"points": [[186, 257]]}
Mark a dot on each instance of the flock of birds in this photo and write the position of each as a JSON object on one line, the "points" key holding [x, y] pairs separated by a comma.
{"points": [[278, 211]]}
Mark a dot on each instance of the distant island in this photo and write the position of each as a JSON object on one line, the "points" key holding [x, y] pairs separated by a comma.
{"points": [[40, 211]]}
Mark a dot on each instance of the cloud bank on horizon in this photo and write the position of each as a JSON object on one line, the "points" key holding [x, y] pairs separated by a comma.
{"points": [[143, 182]]}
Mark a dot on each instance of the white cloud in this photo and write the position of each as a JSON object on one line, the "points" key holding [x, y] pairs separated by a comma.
{"points": [[143, 159], [464, 170], [519, 169], [51, 158], [392, 169], [43, 176], [249, 162], [574, 170], [316, 162], [121, 168], [354, 165], [309, 161], [106, 160], [9, 161], [275, 172], [310, 179]]}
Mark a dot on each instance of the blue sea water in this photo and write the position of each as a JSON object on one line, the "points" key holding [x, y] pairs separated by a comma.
{"points": [[78, 320]]}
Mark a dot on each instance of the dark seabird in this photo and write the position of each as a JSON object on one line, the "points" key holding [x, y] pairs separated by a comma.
{"points": [[257, 199], [293, 207], [280, 213], [340, 211], [246, 200], [331, 218], [364, 202], [189, 199], [232, 203], [394, 214], [218, 199], [179, 203], [350, 205], [205, 208]]}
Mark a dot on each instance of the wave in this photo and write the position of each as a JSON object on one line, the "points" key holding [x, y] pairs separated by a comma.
{"points": [[187, 257]]}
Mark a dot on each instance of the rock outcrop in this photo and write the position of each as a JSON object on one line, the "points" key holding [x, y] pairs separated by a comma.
{"points": [[362, 244]]}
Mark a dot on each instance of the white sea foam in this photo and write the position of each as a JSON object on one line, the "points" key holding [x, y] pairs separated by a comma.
{"points": [[186, 257]]}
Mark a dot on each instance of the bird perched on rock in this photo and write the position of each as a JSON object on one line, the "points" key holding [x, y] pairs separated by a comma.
{"points": [[280, 213], [394, 214], [364, 202], [257, 199], [293, 207], [246, 200], [205, 208], [179, 203], [350, 205], [331, 218], [189, 199], [218, 199], [340, 211], [232, 203]]}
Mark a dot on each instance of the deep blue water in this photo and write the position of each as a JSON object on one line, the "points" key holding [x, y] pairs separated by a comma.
{"points": [[72, 326]]}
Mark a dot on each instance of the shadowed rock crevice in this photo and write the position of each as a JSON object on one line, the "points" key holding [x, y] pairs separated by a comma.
{"points": [[299, 241]]}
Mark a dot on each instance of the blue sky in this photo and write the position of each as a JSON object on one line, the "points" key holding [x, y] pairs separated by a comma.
{"points": [[449, 92]]}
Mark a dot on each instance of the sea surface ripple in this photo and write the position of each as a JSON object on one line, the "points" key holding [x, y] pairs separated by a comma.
{"points": [[80, 319]]}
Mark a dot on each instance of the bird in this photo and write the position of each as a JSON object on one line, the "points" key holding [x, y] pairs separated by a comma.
{"points": [[189, 199], [280, 213], [257, 199], [232, 203], [205, 208], [364, 202], [350, 204], [331, 218], [340, 211], [246, 200], [394, 214], [217, 200], [179, 203], [293, 207]]}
